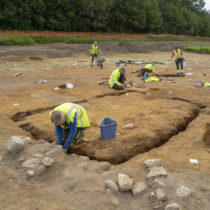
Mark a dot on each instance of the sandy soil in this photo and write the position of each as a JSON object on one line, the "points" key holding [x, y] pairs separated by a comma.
{"points": [[172, 119]]}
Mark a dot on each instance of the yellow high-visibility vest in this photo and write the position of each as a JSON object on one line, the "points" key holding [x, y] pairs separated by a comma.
{"points": [[114, 78], [94, 49], [206, 84], [69, 109], [177, 54], [150, 67]]}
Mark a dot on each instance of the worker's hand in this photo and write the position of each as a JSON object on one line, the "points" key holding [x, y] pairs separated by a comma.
{"points": [[123, 86], [65, 150]]}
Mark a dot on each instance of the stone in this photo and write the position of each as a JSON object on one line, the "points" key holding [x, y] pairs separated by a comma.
{"points": [[111, 185], [150, 163], [27, 140], [183, 192], [15, 145], [156, 171], [105, 166], [43, 81], [41, 141], [160, 195], [159, 183], [84, 157], [48, 161], [38, 155], [31, 163], [125, 182], [172, 206], [17, 74], [152, 194], [30, 173], [41, 169], [138, 188]]}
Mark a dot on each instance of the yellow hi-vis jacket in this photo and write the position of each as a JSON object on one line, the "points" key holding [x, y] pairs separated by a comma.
{"points": [[206, 84], [114, 78], [152, 79], [94, 49], [150, 67], [177, 54], [69, 109]]}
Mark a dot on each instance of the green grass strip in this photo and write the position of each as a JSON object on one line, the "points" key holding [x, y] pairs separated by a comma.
{"points": [[31, 40], [198, 49]]}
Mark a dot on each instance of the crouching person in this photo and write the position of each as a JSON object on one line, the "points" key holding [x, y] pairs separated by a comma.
{"points": [[70, 122], [117, 79]]}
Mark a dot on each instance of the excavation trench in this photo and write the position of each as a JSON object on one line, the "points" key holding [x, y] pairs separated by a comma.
{"points": [[19, 116], [206, 137], [121, 149]]}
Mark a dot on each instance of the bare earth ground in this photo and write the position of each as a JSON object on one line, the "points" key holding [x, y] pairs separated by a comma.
{"points": [[172, 118]]}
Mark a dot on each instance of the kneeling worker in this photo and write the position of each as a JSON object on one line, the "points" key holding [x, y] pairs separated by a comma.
{"points": [[148, 70], [117, 79], [70, 122]]}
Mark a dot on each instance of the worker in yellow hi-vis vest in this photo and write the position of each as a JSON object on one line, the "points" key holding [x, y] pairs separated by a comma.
{"points": [[178, 60], [70, 122], [94, 51]]}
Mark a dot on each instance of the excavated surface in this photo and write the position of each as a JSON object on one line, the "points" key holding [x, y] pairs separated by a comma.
{"points": [[172, 118]]}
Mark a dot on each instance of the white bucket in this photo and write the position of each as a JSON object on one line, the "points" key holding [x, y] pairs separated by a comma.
{"points": [[69, 85]]}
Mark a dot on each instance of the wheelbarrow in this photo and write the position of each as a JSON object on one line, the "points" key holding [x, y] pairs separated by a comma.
{"points": [[99, 62]]}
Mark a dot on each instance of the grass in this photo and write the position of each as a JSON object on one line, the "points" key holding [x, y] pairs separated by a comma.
{"points": [[30, 40], [198, 49]]}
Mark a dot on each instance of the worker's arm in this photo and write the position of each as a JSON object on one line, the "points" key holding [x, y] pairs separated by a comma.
{"points": [[118, 83], [73, 131], [172, 55], [59, 134]]}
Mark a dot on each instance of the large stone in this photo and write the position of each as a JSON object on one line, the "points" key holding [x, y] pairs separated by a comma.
{"points": [[48, 161], [30, 173], [105, 166], [125, 182], [160, 195], [156, 171], [41, 169], [111, 185], [150, 163], [138, 188], [172, 206], [15, 145], [183, 192], [32, 163], [27, 140]]}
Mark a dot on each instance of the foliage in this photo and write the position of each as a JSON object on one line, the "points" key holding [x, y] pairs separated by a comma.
{"points": [[199, 49], [136, 16]]}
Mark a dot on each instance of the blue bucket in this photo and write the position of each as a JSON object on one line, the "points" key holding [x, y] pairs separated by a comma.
{"points": [[108, 128]]}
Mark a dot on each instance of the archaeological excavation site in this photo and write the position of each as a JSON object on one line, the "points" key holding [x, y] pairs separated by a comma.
{"points": [[159, 155]]}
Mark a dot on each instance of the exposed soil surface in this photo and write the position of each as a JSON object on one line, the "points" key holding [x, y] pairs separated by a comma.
{"points": [[172, 120]]}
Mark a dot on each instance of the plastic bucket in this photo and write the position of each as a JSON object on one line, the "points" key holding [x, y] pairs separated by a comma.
{"points": [[108, 128]]}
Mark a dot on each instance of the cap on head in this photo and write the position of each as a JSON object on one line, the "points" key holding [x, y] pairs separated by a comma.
{"points": [[176, 47], [122, 69]]}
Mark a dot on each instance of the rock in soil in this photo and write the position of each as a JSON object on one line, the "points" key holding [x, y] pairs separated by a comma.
{"points": [[156, 171], [111, 185], [125, 182], [138, 188], [15, 145]]}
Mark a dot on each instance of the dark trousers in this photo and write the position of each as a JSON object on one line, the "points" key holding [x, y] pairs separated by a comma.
{"points": [[143, 71], [93, 57], [179, 61], [122, 80], [78, 135]]}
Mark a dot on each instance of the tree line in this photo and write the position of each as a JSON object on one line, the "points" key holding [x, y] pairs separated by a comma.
{"points": [[128, 16]]}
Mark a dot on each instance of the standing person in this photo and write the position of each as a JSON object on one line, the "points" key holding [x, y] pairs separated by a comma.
{"points": [[178, 60], [148, 70], [70, 122], [94, 51], [117, 79]]}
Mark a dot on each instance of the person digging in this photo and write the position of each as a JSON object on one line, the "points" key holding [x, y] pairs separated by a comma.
{"points": [[147, 70], [117, 79], [70, 121]]}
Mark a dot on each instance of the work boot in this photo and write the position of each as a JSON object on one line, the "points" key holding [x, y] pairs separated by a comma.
{"points": [[181, 73], [177, 73]]}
